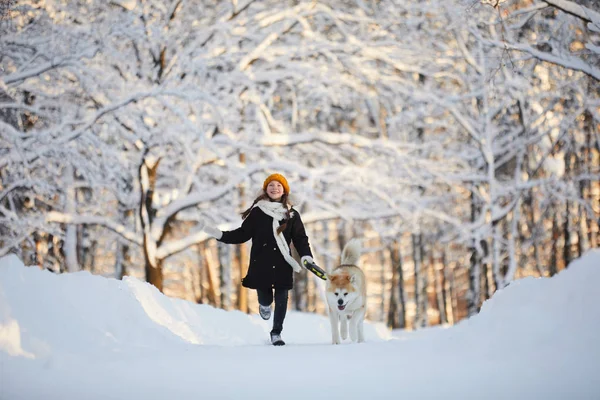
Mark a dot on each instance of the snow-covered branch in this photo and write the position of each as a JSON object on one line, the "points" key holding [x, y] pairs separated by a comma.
{"points": [[54, 216], [564, 60], [570, 7]]}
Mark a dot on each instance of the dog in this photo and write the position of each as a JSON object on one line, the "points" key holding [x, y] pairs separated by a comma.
{"points": [[346, 289]]}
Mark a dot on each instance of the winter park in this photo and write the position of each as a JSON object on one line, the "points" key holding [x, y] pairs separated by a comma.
{"points": [[250, 199]]}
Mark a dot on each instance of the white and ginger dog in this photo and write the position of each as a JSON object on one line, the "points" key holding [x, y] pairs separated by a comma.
{"points": [[347, 296]]}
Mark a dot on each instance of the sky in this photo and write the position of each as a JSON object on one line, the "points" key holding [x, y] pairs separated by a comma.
{"points": [[83, 336]]}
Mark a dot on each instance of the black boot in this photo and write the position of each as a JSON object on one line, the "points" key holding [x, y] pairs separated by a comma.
{"points": [[276, 339], [281, 299]]}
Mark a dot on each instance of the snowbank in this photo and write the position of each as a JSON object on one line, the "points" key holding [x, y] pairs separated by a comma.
{"points": [[84, 312], [74, 336]]}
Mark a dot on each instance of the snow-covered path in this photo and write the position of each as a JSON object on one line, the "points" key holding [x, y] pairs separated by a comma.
{"points": [[80, 336]]}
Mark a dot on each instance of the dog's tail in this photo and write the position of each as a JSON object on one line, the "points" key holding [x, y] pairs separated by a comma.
{"points": [[351, 252]]}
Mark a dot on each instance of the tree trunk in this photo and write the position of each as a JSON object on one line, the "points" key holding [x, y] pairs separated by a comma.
{"points": [[154, 273], [225, 282], [242, 292], [383, 282], [530, 203], [209, 263], [345, 233], [81, 248], [123, 258], [242, 250], [513, 237], [397, 310], [147, 177], [424, 285], [447, 289], [392, 316], [58, 258], [301, 291], [417, 276], [588, 184], [474, 270], [197, 275], [121, 253], [485, 281], [421, 318], [496, 256], [431, 277], [553, 267], [474, 281], [567, 255], [440, 289], [299, 299], [70, 243], [583, 243], [398, 266], [453, 295], [91, 255]]}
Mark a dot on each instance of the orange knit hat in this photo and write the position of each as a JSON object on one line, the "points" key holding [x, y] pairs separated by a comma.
{"points": [[279, 178]]}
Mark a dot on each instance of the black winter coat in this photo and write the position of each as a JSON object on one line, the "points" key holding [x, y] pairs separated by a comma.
{"points": [[268, 269]]}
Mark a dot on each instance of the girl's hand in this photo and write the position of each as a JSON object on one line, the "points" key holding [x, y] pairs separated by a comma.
{"points": [[309, 264], [211, 230]]}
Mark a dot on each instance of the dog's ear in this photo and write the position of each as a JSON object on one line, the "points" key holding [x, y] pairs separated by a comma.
{"points": [[352, 279]]}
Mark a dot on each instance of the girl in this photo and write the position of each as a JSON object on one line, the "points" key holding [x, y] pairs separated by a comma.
{"points": [[272, 224]]}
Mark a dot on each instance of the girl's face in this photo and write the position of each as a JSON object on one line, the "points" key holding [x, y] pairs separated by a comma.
{"points": [[275, 190]]}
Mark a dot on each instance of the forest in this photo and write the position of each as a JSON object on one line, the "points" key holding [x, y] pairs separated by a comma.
{"points": [[459, 140]]}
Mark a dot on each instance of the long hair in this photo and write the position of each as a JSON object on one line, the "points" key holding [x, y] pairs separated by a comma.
{"points": [[264, 196]]}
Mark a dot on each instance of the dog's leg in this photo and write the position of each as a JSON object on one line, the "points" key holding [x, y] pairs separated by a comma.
{"points": [[360, 318], [335, 332], [353, 327], [344, 326]]}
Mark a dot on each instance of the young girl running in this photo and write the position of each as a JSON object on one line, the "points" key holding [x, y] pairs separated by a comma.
{"points": [[272, 223]]}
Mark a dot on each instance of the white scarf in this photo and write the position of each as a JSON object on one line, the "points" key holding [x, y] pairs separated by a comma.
{"points": [[278, 212]]}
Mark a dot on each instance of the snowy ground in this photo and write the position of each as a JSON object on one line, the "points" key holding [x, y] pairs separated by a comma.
{"points": [[78, 336]]}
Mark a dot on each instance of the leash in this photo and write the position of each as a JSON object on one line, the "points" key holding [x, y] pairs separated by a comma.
{"points": [[315, 270]]}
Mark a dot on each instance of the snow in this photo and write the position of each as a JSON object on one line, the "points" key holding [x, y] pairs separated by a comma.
{"points": [[75, 336]]}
